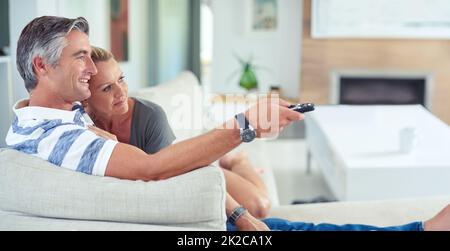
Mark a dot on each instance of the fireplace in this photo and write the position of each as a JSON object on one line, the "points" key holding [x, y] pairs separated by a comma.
{"points": [[380, 88]]}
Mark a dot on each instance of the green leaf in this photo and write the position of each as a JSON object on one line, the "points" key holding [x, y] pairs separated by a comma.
{"points": [[248, 79]]}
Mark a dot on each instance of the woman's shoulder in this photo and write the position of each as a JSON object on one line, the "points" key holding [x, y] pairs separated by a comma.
{"points": [[145, 107]]}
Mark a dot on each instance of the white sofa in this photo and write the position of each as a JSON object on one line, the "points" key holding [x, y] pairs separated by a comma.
{"points": [[35, 195]]}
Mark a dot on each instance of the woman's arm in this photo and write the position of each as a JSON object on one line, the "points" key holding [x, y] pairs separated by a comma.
{"points": [[253, 198], [246, 222]]}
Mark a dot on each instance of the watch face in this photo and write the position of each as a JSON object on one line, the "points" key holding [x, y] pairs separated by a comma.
{"points": [[248, 135]]}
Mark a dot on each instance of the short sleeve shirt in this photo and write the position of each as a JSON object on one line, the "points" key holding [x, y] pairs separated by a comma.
{"points": [[150, 129], [60, 137]]}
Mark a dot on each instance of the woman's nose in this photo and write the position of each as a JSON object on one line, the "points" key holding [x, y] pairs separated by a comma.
{"points": [[120, 91]]}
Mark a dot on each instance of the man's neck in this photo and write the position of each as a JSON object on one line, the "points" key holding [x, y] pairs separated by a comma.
{"points": [[48, 99]]}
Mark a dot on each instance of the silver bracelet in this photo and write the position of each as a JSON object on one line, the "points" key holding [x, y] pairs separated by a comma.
{"points": [[236, 214]]}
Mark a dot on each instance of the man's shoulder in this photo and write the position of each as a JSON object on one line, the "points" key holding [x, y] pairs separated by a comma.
{"points": [[34, 129]]}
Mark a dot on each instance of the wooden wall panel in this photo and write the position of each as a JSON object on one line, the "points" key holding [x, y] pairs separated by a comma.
{"points": [[321, 56]]}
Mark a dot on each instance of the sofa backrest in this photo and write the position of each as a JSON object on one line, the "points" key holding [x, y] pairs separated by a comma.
{"points": [[33, 186], [182, 100]]}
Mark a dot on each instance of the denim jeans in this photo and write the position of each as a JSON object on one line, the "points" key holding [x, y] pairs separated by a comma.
{"points": [[276, 224]]}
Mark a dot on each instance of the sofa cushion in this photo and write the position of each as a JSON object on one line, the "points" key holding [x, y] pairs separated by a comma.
{"points": [[32, 186]]}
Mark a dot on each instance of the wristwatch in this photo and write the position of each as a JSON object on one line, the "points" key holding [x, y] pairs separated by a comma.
{"points": [[247, 132]]}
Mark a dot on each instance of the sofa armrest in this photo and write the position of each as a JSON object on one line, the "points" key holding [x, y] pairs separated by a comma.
{"points": [[35, 187]]}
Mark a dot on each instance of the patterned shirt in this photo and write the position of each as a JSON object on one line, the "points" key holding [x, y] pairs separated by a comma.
{"points": [[60, 137]]}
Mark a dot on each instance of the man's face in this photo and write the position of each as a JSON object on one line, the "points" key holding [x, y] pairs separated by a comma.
{"points": [[70, 78]]}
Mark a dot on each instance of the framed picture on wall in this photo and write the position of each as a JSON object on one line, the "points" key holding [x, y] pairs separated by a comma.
{"points": [[262, 16], [119, 30]]}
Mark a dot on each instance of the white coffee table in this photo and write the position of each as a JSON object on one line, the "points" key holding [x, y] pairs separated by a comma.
{"points": [[357, 148]]}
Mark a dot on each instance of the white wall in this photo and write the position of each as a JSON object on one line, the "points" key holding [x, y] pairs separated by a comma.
{"points": [[279, 53], [96, 12], [137, 68], [173, 38], [5, 98], [21, 12]]}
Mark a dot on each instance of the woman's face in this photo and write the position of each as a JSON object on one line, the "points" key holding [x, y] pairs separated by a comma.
{"points": [[109, 91]]}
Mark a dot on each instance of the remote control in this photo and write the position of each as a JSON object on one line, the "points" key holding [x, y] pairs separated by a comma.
{"points": [[302, 108]]}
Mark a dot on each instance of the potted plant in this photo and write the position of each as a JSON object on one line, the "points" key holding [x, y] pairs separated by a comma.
{"points": [[248, 79]]}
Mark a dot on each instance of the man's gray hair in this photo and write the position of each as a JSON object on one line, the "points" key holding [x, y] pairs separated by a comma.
{"points": [[44, 37]]}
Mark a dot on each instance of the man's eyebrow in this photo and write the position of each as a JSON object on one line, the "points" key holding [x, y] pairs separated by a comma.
{"points": [[82, 52]]}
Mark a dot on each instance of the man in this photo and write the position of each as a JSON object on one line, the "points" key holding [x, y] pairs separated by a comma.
{"points": [[54, 59]]}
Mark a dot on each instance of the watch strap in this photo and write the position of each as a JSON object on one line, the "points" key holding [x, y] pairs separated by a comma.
{"points": [[242, 121], [236, 214]]}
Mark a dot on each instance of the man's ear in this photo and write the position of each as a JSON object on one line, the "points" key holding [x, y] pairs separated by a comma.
{"points": [[39, 66]]}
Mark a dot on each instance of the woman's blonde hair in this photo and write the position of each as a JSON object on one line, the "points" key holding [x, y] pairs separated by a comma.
{"points": [[100, 55]]}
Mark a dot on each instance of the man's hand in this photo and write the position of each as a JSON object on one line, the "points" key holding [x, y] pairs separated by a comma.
{"points": [[249, 223], [102, 133], [270, 116]]}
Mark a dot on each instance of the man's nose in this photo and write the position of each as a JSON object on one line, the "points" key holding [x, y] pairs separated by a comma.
{"points": [[91, 68]]}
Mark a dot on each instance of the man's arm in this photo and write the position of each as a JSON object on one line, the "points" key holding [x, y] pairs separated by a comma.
{"points": [[129, 162]]}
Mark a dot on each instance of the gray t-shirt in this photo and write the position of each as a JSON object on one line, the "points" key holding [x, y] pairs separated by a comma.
{"points": [[150, 129]]}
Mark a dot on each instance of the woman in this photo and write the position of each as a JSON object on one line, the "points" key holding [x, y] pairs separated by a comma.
{"points": [[145, 125]]}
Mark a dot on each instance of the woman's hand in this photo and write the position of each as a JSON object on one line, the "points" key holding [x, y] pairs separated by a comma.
{"points": [[249, 223], [102, 133]]}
